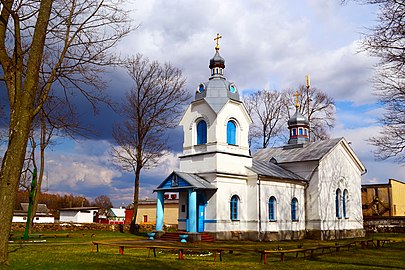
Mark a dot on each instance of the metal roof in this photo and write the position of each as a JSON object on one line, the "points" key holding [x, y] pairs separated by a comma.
{"points": [[272, 170], [295, 153], [192, 179]]}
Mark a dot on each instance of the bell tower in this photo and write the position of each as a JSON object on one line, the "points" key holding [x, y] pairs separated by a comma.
{"points": [[216, 125]]}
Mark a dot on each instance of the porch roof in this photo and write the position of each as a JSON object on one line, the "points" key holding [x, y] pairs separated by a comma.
{"points": [[178, 181]]}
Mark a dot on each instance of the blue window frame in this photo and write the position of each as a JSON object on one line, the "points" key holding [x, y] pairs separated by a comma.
{"points": [[294, 207], [345, 203], [202, 132], [231, 133], [294, 132], [337, 202], [272, 208], [234, 207]]}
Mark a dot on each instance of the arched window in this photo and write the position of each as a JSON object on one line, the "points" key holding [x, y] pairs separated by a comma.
{"points": [[231, 133], [272, 208], [338, 203], [234, 207], [202, 132], [294, 208], [345, 203]]}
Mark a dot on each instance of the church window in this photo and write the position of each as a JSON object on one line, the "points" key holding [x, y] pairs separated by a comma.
{"points": [[300, 131], [294, 208], [345, 203], [231, 133], [202, 132], [234, 207], [272, 208], [338, 203], [294, 132]]}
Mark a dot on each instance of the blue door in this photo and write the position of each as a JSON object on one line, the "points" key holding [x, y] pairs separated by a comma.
{"points": [[200, 212]]}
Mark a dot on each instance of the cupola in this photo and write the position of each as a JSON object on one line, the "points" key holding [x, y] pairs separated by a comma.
{"points": [[298, 126]]}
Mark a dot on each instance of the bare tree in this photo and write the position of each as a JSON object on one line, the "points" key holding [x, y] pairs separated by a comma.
{"points": [[267, 111], [104, 202], [54, 119], [387, 41], [321, 110], [64, 43], [151, 107]]}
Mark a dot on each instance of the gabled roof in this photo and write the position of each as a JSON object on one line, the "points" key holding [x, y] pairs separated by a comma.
{"points": [[314, 151], [295, 153], [181, 180], [41, 208], [272, 170], [78, 209], [116, 212]]}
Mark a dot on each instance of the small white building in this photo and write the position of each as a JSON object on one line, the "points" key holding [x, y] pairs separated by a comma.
{"points": [[116, 215], [41, 216], [78, 214], [303, 189]]}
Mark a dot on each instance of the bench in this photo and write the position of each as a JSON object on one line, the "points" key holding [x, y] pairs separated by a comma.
{"points": [[121, 248], [366, 243], [282, 253], [381, 242]]}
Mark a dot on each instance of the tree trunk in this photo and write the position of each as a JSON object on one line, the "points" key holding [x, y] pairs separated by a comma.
{"points": [[136, 199], [21, 101], [10, 176]]}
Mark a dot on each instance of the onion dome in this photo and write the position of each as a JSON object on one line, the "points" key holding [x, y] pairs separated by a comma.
{"points": [[298, 119], [298, 126], [217, 90]]}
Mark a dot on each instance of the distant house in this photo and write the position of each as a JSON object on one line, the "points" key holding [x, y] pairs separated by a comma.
{"points": [[383, 199], [42, 215], [116, 215], [147, 211], [78, 214]]}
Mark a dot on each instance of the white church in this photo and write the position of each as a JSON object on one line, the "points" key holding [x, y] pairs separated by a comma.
{"points": [[301, 190]]}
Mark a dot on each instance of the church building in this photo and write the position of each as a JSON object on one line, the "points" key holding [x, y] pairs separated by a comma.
{"points": [[303, 189]]}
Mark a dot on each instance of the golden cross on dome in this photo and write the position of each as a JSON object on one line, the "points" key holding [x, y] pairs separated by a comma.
{"points": [[217, 40], [296, 99]]}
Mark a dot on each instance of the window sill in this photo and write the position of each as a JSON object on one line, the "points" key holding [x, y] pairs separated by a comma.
{"points": [[272, 221], [295, 220]]}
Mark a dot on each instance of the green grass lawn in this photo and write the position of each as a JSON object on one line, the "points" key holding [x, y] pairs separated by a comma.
{"points": [[75, 253]]}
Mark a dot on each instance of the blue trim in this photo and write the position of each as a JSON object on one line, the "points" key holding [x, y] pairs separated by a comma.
{"points": [[294, 204], [174, 181], [202, 132], [337, 204], [234, 207], [272, 208], [344, 203], [192, 211], [160, 211], [231, 133], [210, 221]]}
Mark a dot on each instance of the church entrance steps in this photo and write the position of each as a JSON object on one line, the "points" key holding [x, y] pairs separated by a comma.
{"points": [[175, 236]]}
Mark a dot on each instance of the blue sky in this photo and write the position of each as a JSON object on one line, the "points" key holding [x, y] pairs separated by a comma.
{"points": [[266, 45]]}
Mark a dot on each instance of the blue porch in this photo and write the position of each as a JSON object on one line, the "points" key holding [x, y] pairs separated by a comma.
{"points": [[194, 193]]}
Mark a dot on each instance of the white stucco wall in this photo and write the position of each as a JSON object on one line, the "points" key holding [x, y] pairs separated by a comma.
{"points": [[336, 170], [36, 219], [77, 216], [284, 192]]}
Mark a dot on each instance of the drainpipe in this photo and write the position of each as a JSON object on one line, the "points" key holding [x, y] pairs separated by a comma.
{"points": [[260, 209]]}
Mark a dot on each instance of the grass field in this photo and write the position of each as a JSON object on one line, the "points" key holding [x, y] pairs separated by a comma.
{"points": [[75, 253]]}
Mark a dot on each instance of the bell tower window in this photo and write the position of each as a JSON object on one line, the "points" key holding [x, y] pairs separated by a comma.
{"points": [[231, 133], [201, 132]]}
